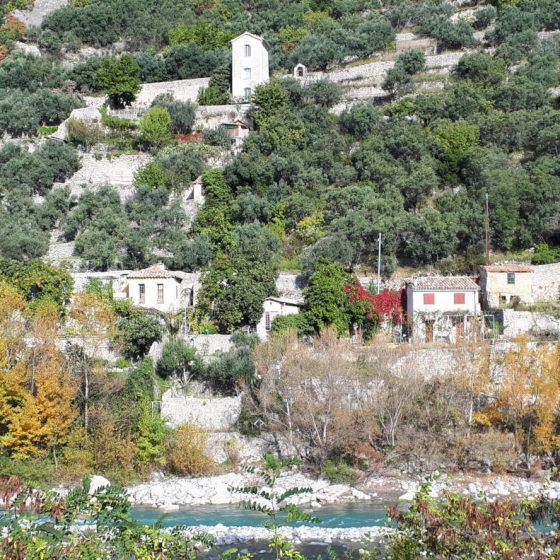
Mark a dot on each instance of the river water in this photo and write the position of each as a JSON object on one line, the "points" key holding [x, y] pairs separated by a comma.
{"points": [[332, 516]]}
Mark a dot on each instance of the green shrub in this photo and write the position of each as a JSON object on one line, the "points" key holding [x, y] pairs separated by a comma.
{"points": [[545, 254], [338, 472]]}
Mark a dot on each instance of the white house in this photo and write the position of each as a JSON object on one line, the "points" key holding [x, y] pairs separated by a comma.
{"points": [[442, 307], [164, 290], [274, 307], [249, 65]]}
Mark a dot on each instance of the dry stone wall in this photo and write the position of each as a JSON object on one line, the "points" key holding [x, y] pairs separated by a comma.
{"points": [[116, 171], [546, 282], [40, 10], [529, 323], [208, 413]]}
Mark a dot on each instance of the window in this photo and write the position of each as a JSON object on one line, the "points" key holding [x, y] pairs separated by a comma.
{"points": [[247, 49], [267, 322], [459, 299], [300, 72], [160, 293], [246, 73], [247, 93], [141, 293], [511, 277], [429, 299]]}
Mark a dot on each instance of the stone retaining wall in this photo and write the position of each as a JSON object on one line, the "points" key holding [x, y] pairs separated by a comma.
{"points": [[209, 413], [529, 323], [546, 282]]}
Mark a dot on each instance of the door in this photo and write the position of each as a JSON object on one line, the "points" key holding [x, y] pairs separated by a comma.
{"points": [[429, 329], [459, 328]]}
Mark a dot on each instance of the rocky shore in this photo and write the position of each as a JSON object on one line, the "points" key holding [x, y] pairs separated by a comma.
{"points": [[296, 535], [170, 494]]}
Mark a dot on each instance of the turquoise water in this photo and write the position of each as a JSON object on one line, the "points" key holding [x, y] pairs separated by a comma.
{"points": [[332, 516]]}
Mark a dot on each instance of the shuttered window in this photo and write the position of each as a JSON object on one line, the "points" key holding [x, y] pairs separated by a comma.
{"points": [[459, 298], [429, 299]]}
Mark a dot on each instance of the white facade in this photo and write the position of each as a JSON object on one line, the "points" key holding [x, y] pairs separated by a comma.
{"points": [[249, 65], [161, 289], [274, 307], [441, 308]]}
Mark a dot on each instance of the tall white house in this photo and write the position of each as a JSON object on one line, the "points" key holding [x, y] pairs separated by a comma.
{"points": [[249, 65]]}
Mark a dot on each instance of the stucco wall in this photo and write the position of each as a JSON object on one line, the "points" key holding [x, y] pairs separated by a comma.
{"points": [[171, 293], [257, 63], [209, 413], [443, 301]]}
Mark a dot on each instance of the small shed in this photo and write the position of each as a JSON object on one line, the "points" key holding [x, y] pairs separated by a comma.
{"points": [[274, 307], [236, 129]]}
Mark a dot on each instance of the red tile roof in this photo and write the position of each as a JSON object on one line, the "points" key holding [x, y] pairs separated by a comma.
{"points": [[444, 283]]}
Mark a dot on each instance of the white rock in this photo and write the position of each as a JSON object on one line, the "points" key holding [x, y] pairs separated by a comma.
{"points": [[407, 497], [97, 482], [169, 507]]}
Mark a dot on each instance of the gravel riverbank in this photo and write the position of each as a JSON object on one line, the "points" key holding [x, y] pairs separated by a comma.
{"points": [[170, 494]]}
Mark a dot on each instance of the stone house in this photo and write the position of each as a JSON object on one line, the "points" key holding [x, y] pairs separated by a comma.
{"points": [[503, 284], [163, 290], [249, 65], [274, 307], [442, 307]]}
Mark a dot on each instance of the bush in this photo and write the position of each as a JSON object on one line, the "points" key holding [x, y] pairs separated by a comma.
{"points": [[338, 472], [545, 254], [138, 332], [182, 113], [484, 17], [84, 134], [186, 452], [156, 127], [180, 360], [217, 137]]}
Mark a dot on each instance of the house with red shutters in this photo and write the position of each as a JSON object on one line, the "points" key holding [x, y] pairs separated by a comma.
{"points": [[442, 308]]}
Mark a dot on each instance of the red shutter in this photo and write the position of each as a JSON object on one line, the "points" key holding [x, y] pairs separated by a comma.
{"points": [[429, 299], [459, 298]]}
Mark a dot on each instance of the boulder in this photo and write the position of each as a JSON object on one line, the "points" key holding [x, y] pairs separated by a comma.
{"points": [[97, 482]]}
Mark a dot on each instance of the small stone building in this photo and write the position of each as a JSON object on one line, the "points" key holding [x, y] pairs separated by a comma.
{"points": [[300, 72], [442, 307], [249, 65], [274, 307], [503, 284]]}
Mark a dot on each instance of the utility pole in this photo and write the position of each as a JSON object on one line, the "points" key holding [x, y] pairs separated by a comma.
{"points": [[486, 232], [379, 264]]}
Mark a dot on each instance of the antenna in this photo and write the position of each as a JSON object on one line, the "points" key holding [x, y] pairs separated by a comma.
{"points": [[379, 264], [486, 232]]}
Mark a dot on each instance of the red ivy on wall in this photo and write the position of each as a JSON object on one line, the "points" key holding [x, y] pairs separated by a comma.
{"points": [[386, 305]]}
